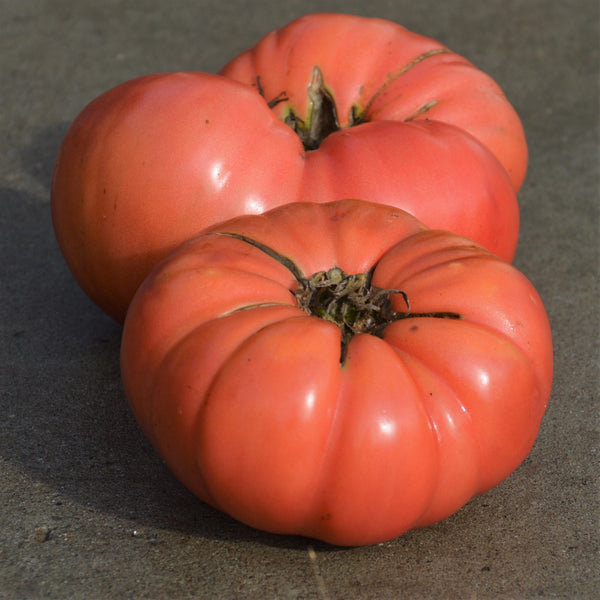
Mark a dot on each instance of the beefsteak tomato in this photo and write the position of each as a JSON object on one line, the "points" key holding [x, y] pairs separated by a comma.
{"points": [[363, 70], [337, 370], [153, 161]]}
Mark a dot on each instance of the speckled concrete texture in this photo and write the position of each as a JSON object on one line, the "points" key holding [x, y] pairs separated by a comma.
{"points": [[87, 509]]}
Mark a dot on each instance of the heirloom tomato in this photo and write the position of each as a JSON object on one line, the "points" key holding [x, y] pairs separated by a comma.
{"points": [[363, 70], [337, 370], [305, 115]]}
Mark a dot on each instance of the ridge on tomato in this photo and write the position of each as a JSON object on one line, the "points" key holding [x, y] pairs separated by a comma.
{"points": [[337, 370], [302, 116]]}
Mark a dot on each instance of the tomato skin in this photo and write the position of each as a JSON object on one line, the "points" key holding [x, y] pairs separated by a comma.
{"points": [[155, 160], [151, 162], [244, 396], [413, 165]]}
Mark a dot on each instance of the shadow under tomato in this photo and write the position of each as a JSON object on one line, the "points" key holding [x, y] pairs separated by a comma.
{"points": [[68, 423]]}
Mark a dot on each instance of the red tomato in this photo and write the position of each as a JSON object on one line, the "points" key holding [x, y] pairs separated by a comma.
{"points": [[375, 70], [152, 162], [337, 370]]}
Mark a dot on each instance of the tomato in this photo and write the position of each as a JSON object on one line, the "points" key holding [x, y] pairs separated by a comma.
{"points": [[153, 161], [375, 70], [337, 370]]}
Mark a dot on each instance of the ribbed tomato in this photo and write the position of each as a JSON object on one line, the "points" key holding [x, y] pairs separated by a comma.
{"points": [[363, 70], [337, 370], [305, 115]]}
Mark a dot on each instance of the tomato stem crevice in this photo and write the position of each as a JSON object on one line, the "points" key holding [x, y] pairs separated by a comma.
{"points": [[322, 119], [350, 301]]}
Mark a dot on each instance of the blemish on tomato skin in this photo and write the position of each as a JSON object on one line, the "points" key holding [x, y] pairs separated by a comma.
{"points": [[414, 328]]}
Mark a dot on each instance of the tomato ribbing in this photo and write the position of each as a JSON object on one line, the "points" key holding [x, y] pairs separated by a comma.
{"points": [[253, 404]]}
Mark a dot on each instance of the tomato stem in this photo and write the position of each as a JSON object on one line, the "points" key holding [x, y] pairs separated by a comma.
{"points": [[350, 301], [322, 119], [281, 97]]}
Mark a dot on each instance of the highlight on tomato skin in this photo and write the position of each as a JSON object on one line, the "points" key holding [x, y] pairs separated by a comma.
{"points": [[300, 116], [337, 370]]}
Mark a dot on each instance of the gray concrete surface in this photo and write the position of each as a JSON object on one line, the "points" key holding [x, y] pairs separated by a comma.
{"points": [[87, 510]]}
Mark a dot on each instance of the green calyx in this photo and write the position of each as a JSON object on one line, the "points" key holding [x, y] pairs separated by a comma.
{"points": [[350, 301], [322, 119]]}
